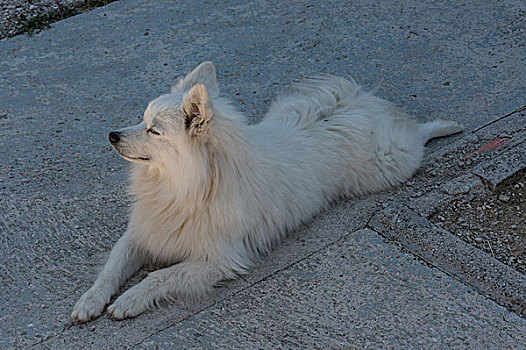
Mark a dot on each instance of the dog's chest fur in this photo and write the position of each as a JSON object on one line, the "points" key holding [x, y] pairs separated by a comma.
{"points": [[169, 226]]}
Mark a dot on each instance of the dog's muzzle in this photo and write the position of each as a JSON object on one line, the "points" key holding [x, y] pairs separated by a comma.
{"points": [[114, 137]]}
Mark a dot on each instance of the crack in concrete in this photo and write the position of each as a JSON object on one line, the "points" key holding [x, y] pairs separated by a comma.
{"points": [[520, 109], [52, 336]]}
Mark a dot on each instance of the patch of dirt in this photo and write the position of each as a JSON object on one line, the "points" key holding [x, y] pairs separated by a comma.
{"points": [[494, 222]]}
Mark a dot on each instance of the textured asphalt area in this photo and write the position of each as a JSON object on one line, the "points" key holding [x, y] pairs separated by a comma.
{"points": [[335, 283]]}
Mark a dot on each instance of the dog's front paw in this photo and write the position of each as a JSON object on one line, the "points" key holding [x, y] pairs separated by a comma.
{"points": [[89, 305], [132, 303]]}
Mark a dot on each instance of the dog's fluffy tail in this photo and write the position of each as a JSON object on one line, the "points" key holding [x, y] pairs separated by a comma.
{"points": [[315, 99], [330, 93], [333, 93], [328, 88]]}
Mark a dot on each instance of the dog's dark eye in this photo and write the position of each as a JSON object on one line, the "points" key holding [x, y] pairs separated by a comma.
{"points": [[153, 131]]}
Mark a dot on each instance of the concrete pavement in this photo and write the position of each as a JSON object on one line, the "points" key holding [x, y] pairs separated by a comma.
{"points": [[335, 283]]}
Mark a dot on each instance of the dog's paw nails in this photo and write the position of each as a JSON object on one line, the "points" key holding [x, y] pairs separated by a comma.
{"points": [[90, 305], [125, 306]]}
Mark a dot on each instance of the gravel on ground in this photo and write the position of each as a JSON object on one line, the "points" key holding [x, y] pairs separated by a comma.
{"points": [[29, 16], [494, 222]]}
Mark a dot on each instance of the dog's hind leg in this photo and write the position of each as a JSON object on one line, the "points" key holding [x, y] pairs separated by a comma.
{"points": [[186, 280], [439, 128], [123, 262]]}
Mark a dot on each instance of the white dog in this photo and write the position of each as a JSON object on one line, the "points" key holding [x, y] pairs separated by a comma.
{"points": [[212, 192]]}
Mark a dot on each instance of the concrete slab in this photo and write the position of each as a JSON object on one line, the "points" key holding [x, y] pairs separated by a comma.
{"points": [[62, 188]]}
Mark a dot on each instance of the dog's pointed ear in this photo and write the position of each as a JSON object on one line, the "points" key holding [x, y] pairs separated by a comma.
{"points": [[205, 73], [198, 111]]}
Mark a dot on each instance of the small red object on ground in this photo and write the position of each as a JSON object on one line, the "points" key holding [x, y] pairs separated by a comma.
{"points": [[492, 145]]}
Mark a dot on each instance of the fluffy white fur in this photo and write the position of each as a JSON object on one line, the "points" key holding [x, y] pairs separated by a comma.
{"points": [[212, 192]]}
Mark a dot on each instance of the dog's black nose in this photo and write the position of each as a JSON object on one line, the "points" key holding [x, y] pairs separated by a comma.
{"points": [[114, 137]]}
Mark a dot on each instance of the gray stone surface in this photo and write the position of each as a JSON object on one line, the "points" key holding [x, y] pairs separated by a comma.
{"points": [[451, 254], [62, 188]]}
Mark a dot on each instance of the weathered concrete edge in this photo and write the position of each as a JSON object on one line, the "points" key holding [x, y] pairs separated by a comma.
{"points": [[505, 165], [470, 265], [487, 175]]}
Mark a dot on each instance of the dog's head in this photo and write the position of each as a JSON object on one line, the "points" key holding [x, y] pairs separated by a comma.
{"points": [[170, 121]]}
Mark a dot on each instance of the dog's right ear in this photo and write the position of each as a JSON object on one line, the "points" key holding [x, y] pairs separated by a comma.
{"points": [[205, 73], [197, 109]]}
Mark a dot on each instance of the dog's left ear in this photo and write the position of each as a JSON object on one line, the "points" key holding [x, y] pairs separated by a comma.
{"points": [[204, 73], [198, 111]]}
